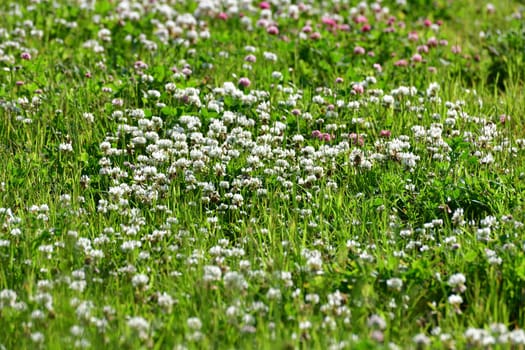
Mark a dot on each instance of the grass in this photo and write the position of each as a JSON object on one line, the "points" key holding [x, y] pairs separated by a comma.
{"points": [[178, 177]]}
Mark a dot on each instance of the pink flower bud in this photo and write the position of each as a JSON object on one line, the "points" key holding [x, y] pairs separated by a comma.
{"points": [[422, 49], [432, 42], [250, 58], [417, 58], [244, 82], [413, 36], [385, 133], [401, 63], [360, 19], [272, 30], [358, 89], [366, 28], [358, 50], [315, 36]]}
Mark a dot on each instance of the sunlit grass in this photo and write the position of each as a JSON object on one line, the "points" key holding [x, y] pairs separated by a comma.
{"points": [[261, 175]]}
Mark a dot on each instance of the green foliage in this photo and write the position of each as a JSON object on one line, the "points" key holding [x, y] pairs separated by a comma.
{"points": [[148, 199]]}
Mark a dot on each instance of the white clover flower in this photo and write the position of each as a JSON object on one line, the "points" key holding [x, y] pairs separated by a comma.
{"points": [[37, 337], [455, 300], [65, 147], [212, 273], [376, 321], [517, 337], [139, 324], [89, 117], [457, 281], [312, 298], [273, 294], [140, 280], [318, 99], [395, 283], [194, 323], [277, 75], [234, 280], [388, 99], [78, 286], [304, 325], [421, 340], [270, 56]]}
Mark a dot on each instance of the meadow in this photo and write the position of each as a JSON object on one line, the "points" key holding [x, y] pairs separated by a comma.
{"points": [[238, 174]]}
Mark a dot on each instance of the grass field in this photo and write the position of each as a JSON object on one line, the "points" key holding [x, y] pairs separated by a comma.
{"points": [[262, 175]]}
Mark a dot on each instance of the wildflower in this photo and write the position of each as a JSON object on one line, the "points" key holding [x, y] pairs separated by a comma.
{"points": [[194, 323], [89, 117], [65, 147], [250, 58], [244, 82], [432, 42], [25, 56], [376, 322], [421, 340], [377, 336], [457, 281], [413, 36], [456, 49], [273, 294], [360, 19], [272, 30], [356, 139], [140, 281], [264, 5], [117, 102], [37, 337], [315, 36], [270, 56], [358, 50], [455, 299], [401, 63], [394, 283], [140, 325], [326, 137], [385, 133], [358, 89], [234, 280], [316, 134], [417, 58]]}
